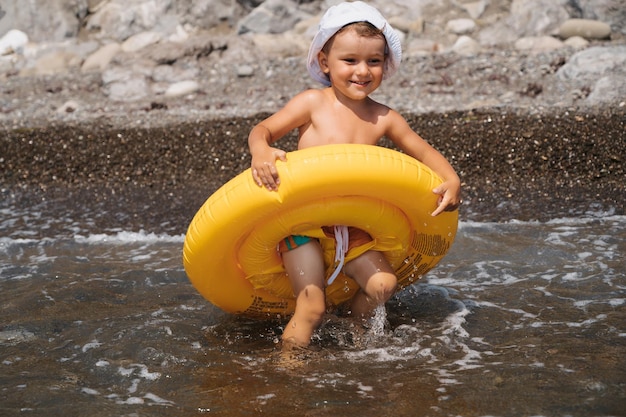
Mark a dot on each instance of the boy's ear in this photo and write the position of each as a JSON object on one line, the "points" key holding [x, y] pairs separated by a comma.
{"points": [[322, 59]]}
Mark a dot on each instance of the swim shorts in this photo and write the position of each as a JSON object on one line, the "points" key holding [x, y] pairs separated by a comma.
{"points": [[357, 237], [292, 242]]}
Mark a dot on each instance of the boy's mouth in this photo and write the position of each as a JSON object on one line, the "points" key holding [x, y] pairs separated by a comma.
{"points": [[360, 83]]}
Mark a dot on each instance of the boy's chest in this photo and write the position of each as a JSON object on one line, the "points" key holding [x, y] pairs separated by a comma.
{"points": [[345, 127]]}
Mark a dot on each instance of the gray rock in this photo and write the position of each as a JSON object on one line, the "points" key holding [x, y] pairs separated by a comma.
{"points": [[194, 48], [526, 18], [43, 20], [608, 89], [273, 16], [120, 19], [121, 84], [172, 73], [207, 14], [536, 17], [593, 63], [612, 12]]}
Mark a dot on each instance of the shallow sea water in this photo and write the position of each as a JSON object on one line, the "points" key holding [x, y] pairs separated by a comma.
{"points": [[520, 319]]}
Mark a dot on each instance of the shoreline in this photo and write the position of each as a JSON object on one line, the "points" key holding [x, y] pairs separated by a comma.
{"points": [[514, 165]]}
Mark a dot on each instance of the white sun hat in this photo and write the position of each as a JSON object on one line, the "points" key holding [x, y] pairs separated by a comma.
{"points": [[339, 16]]}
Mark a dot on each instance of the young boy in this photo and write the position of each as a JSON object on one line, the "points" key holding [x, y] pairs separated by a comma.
{"points": [[354, 49]]}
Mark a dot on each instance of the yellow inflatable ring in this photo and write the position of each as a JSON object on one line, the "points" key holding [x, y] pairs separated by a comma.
{"points": [[230, 252]]}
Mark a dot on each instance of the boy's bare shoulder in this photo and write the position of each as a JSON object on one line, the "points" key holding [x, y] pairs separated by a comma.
{"points": [[307, 99], [311, 94]]}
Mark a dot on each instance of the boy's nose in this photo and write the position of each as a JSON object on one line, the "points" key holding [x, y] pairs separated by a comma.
{"points": [[362, 68]]}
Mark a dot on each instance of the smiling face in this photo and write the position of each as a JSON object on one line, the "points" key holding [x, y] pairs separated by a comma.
{"points": [[354, 61]]}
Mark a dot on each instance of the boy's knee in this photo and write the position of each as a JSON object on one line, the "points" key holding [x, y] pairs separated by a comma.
{"points": [[381, 287], [312, 304]]}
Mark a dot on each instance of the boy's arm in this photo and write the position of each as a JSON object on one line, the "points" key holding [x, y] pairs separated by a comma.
{"points": [[413, 144], [295, 114]]}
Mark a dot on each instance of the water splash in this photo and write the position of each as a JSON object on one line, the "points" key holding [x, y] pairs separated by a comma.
{"points": [[378, 322]]}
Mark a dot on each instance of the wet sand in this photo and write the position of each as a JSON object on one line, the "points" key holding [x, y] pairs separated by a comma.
{"points": [[513, 164]]}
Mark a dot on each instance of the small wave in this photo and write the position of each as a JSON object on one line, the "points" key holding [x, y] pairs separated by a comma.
{"points": [[6, 242], [590, 218], [125, 237]]}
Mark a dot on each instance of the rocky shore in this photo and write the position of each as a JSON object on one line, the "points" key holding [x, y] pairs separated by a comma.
{"points": [[145, 117], [123, 60]]}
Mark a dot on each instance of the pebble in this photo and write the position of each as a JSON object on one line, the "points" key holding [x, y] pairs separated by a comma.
{"points": [[585, 28], [474, 8], [68, 107], [123, 84], [466, 46], [406, 25], [245, 71], [461, 26], [140, 41], [182, 88], [14, 337], [538, 44], [100, 59], [54, 62], [13, 41], [577, 42]]}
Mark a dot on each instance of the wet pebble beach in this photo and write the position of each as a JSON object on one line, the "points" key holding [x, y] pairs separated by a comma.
{"points": [[513, 165]]}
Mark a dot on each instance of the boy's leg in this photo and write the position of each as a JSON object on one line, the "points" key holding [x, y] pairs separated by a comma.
{"points": [[377, 280], [305, 268]]}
